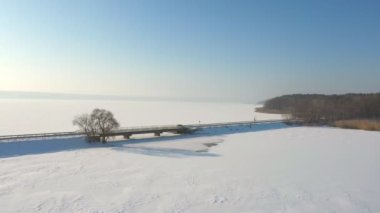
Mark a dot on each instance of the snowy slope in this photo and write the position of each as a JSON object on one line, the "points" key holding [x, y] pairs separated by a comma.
{"points": [[267, 168]]}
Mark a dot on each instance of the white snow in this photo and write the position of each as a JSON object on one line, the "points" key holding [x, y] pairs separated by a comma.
{"points": [[266, 168]]}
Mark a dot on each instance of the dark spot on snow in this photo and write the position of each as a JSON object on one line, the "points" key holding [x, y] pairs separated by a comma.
{"points": [[210, 144]]}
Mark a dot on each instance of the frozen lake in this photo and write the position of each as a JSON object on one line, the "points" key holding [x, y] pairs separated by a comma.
{"points": [[35, 116]]}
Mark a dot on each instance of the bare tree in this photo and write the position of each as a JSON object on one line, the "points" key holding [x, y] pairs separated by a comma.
{"points": [[104, 122], [97, 125], [84, 123]]}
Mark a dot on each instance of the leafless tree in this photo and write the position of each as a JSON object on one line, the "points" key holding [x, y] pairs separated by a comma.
{"points": [[104, 122], [97, 125]]}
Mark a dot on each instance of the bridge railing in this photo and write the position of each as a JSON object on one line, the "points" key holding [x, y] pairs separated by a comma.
{"points": [[235, 123], [137, 128], [41, 135]]}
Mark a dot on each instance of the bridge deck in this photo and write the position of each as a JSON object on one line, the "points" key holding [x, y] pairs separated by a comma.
{"points": [[138, 130]]}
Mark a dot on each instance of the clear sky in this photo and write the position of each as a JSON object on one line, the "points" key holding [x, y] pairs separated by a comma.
{"points": [[231, 50]]}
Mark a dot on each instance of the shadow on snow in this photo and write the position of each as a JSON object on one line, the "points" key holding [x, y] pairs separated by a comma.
{"points": [[20, 148]]}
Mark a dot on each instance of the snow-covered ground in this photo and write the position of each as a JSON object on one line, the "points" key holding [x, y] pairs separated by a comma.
{"points": [[263, 168]]}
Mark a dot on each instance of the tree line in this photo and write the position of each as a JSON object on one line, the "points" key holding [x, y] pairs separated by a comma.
{"points": [[323, 109]]}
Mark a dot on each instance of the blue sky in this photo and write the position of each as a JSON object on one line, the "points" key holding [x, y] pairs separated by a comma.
{"points": [[227, 50]]}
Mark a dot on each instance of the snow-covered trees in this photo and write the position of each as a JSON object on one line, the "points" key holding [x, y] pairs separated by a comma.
{"points": [[96, 125]]}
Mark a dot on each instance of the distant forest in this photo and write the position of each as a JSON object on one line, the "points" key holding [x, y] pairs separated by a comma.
{"points": [[326, 109]]}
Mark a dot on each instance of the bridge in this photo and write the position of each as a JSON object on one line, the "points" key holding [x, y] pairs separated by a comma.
{"points": [[128, 132]]}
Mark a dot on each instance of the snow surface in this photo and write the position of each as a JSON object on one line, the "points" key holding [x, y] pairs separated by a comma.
{"points": [[265, 168]]}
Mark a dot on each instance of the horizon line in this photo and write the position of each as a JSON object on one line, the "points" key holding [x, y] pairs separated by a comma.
{"points": [[17, 94]]}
